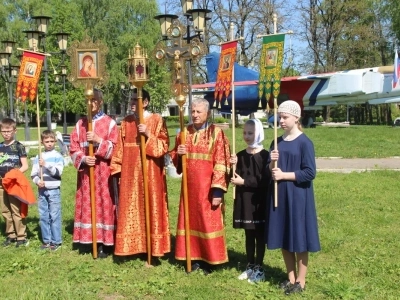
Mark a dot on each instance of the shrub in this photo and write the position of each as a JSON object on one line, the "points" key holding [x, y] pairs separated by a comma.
{"points": [[175, 119], [220, 120]]}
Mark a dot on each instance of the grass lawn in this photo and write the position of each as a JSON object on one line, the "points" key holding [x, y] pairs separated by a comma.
{"points": [[358, 215], [349, 142]]}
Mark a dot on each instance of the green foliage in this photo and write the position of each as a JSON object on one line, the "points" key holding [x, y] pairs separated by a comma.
{"points": [[392, 10], [220, 120], [121, 24], [159, 88], [175, 120]]}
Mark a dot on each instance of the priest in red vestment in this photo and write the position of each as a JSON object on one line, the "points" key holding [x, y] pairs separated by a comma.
{"points": [[208, 167], [104, 137], [131, 222]]}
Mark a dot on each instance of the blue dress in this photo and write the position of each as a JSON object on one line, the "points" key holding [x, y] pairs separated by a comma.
{"points": [[293, 224]]}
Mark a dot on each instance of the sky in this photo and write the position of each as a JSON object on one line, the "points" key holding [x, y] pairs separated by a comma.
{"points": [[291, 41]]}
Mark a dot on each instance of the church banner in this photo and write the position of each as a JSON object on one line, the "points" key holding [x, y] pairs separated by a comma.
{"points": [[271, 65], [29, 75], [224, 77]]}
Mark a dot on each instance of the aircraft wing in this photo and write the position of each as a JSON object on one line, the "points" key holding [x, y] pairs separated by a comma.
{"points": [[372, 85]]}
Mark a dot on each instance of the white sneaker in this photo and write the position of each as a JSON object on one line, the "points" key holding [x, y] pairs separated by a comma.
{"points": [[257, 275], [246, 274]]}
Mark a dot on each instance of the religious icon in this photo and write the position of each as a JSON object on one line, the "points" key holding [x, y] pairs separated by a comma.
{"points": [[271, 57], [30, 69], [195, 50], [226, 62], [140, 70], [177, 64], [160, 54], [87, 64], [176, 32]]}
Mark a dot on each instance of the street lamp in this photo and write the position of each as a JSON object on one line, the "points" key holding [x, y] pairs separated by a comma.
{"points": [[8, 72], [62, 39], [57, 80], [180, 46], [126, 92], [35, 38], [38, 37]]}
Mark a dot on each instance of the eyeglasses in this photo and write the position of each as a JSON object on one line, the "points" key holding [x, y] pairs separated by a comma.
{"points": [[7, 131]]}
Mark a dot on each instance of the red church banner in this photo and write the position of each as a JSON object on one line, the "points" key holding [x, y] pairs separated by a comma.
{"points": [[29, 75], [224, 76]]}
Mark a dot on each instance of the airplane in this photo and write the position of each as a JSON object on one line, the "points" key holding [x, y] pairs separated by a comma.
{"points": [[312, 92]]}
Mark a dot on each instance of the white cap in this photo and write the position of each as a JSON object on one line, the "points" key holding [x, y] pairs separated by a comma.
{"points": [[290, 107]]}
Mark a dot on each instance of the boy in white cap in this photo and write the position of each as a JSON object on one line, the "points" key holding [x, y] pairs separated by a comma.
{"points": [[292, 226]]}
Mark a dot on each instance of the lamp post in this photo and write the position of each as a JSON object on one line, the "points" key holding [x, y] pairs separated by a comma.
{"points": [[62, 39], [181, 46], [57, 80], [126, 92], [35, 38], [8, 73]]}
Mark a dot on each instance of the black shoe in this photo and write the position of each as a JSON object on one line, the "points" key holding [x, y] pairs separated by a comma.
{"points": [[101, 253], [295, 288], [285, 285], [195, 267], [22, 243], [9, 241], [206, 268]]}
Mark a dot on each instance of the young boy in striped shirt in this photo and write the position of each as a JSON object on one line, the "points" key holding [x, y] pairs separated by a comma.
{"points": [[46, 174]]}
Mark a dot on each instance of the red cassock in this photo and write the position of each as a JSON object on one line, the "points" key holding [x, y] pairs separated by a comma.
{"points": [[106, 128], [131, 222], [208, 167]]}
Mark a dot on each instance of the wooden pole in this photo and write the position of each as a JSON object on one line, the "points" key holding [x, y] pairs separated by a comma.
{"points": [[275, 148], [184, 187], [89, 97], [144, 172], [233, 115], [233, 125], [275, 18]]}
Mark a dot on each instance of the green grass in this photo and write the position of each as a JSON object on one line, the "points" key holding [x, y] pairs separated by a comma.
{"points": [[358, 217], [359, 257], [350, 142]]}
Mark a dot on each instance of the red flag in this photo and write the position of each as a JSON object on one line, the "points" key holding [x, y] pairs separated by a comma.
{"points": [[224, 76], [29, 74]]}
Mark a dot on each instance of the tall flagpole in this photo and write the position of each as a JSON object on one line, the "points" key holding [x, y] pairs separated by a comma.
{"points": [[233, 115], [275, 128]]}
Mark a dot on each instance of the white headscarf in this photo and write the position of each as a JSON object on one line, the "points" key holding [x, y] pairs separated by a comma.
{"points": [[258, 134]]}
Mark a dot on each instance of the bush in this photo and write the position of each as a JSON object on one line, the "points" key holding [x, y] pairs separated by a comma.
{"points": [[175, 119], [220, 120]]}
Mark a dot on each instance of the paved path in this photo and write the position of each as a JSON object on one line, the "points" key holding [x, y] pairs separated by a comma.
{"points": [[346, 165]]}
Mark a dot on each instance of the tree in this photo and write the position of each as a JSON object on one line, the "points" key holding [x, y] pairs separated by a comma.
{"points": [[341, 35], [119, 23]]}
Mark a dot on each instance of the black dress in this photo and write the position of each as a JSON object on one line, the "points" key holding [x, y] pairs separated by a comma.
{"points": [[250, 199]]}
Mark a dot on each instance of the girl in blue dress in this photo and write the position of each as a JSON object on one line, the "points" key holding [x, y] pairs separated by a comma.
{"points": [[292, 225]]}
